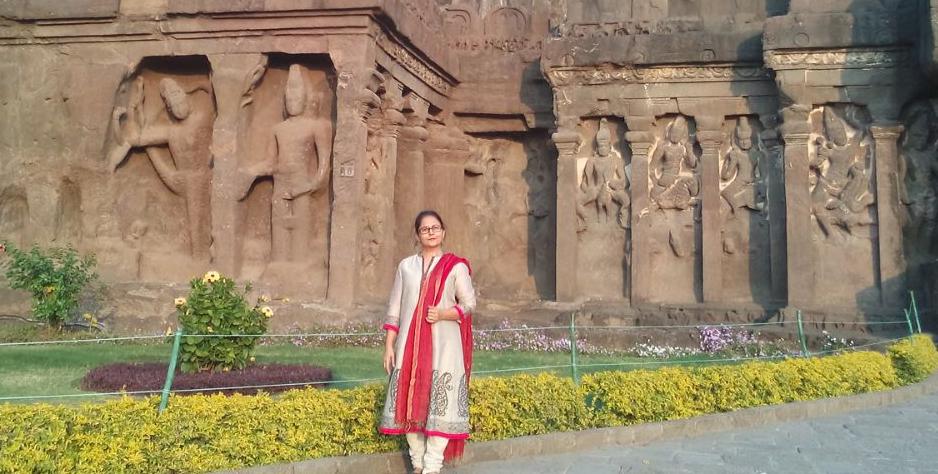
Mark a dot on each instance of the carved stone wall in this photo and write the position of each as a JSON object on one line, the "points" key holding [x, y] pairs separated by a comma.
{"points": [[662, 155]]}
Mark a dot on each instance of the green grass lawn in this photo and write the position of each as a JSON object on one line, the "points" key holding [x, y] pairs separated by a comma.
{"points": [[57, 369]]}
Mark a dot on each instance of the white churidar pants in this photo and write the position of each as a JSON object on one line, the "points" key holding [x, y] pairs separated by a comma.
{"points": [[426, 451]]}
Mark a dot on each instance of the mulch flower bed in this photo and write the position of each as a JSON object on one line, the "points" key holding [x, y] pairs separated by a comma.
{"points": [[152, 376]]}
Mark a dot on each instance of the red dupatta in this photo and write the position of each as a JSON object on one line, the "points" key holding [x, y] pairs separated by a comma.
{"points": [[416, 369]]}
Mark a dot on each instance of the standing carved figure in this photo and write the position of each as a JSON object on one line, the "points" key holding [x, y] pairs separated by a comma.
{"points": [[672, 190], [188, 137], [832, 202], [918, 181], [742, 167], [604, 181], [297, 158]]}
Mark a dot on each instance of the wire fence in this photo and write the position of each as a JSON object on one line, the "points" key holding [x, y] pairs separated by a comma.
{"points": [[574, 366]]}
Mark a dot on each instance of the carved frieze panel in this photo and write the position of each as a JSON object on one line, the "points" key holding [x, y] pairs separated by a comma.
{"points": [[634, 74], [412, 63], [837, 59]]}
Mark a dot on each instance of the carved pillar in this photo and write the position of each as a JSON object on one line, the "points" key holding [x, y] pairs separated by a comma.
{"points": [[228, 78], [776, 196], [891, 257], [389, 136], [641, 138], [355, 95], [567, 141], [710, 135], [408, 179], [447, 152], [796, 130]]}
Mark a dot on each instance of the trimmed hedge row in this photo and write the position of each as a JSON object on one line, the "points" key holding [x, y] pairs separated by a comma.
{"points": [[206, 433]]}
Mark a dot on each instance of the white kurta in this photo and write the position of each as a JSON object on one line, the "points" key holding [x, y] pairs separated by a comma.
{"points": [[448, 411]]}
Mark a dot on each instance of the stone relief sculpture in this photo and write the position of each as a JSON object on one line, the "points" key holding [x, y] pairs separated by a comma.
{"points": [[918, 179], [841, 195], [604, 183], [742, 171], [298, 159], [674, 186], [180, 151]]}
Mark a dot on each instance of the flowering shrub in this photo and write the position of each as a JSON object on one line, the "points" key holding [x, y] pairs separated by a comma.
{"points": [[54, 278], [732, 342], [213, 309], [504, 339], [832, 344], [647, 349]]}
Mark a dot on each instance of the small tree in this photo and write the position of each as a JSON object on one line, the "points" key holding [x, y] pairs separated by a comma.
{"points": [[55, 278], [213, 309]]}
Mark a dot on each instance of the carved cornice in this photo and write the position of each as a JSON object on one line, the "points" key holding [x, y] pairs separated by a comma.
{"points": [[836, 59], [566, 76], [412, 63]]}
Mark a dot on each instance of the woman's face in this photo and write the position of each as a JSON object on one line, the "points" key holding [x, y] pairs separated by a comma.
{"points": [[430, 233]]}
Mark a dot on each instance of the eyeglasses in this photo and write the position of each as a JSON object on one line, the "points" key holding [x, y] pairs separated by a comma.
{"points": [[430, 230]]}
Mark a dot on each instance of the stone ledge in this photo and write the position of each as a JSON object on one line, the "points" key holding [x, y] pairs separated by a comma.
{"points": [[556, 443]]}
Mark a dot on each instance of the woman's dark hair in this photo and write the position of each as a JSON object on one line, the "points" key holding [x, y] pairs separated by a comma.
{"points": [[428, 213]]}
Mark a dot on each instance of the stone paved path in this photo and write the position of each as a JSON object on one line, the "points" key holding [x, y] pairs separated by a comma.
{"points": [[895, 439]]}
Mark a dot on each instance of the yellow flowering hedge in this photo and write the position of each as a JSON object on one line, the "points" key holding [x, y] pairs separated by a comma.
{"points": [[914, 360], [206, 433]]}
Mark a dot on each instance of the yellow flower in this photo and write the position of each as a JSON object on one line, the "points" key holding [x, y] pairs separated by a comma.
{"points": [[209, 329], [211, 277], [286, 300], [86, 316], [169, 330], [226, 369], [263, 298], [49, 289], [252, 358], [266, 311], [179, 302], [94, 320]]}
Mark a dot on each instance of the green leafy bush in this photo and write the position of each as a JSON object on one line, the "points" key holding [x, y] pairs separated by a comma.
{"points": [[914, 360], [55, 278], [215, 308]]}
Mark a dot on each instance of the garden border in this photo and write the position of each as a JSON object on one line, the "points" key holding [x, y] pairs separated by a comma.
{"points": [[572, 441]]}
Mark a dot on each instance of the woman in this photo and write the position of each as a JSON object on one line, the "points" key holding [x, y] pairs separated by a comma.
{"points": [[430, 307]]}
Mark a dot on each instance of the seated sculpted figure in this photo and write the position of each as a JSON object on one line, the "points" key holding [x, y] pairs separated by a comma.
{"points": [[604, 182]]}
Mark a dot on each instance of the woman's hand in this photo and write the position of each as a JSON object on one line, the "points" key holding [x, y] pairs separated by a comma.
{"points": [[434, 314], [388, 359]]}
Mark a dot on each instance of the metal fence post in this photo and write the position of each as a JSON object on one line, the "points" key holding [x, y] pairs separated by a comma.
{"points": [[573, 368], [918, 322], [804, 343], [171, 371], [908, 319]]}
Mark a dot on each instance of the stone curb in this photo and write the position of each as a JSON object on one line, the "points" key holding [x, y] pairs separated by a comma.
{"points": [[570, 441]]}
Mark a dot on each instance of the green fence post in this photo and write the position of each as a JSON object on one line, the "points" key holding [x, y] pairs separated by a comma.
{"points": [[164, 399], [918, 322], [908, 319], [804, 343], [573, 368]]}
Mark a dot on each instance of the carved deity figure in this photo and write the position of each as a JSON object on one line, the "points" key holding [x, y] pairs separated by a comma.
{"points": [[741, 165], [186, 170], [671, 189], [841, 195], [918, 181], [604, 182], [297, 159]]}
